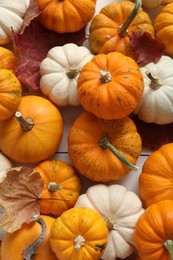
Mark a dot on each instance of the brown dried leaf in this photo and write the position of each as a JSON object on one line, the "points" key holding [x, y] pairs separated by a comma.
{"points": [[149, 49], [19, 197]]}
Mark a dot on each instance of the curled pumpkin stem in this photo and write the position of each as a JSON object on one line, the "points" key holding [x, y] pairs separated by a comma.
{"points": [[122, 30], [105, 144], [28, 253]]}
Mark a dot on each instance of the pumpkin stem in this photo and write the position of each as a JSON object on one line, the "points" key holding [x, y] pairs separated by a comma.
{"points": [[105, 144], [155, 84], [28, 253], [105, 76], [111, 223], [79, 241], [72, 72], [169, 246], [26, 124], [53, 186], [122, 29]]}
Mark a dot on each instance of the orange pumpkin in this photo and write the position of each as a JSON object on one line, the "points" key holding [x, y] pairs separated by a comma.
{"points": [[16, 245], [103, 150], [156, 178], [79, 233], [163, 26], [110, 85], [33, 133], [61, 186], [154, 232], [7, 59], [65, 16], [10, 93], [110, 29]]}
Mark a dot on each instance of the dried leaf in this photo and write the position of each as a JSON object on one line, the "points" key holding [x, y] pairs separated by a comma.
{"points": [[149, 49], [31, 48], [19, 197], [153, 135]]}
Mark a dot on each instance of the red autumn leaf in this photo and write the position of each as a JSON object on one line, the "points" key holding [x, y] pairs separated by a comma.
{"points": [[19, 197], [153, 135], [31, 48], [149, 49]]}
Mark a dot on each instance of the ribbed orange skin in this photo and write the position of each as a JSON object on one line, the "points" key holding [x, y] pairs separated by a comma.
{"points": [[156, 178], [163, 26], [64, 175], [153, 228], [104, 36], [13, 244], [116, 98], [79, 221], [66, 15], [10, 93], [7, 59], [41, 141], [94, 162]]}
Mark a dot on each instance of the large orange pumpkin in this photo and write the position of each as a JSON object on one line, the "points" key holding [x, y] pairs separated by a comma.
{"points": [[110, 29], [33, 133], [103, 150], [156, 178], [61, 186], [10, 93], [64, 16], [20, 243], [110, 85]]}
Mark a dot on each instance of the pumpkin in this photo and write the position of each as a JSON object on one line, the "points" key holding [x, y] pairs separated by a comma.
{"points": [[103, 150], [155, 180], [163, 25], [21, 244], [33, 133], [59, 73], [11, 13], [79, 233], [154, 3], [155, 105], [5, 164], [65, 16], [154, 231], [7, 59], [61, 186], [120, 209], [110, 85], [110, 29], [10, 93]]}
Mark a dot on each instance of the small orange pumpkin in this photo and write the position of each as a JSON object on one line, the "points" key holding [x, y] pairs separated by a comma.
{"points": [[110, 85], [64, 16], [10, 93], [110, 29], [7, 59], [20, 243], [79, 233], [103, 150], [153, 235], [61, 186], [163, 25], [156, 178], [34, 133]]}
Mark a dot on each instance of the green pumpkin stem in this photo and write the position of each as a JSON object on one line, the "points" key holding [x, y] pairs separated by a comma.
{"points": [[122, 30], [28, 253], [105, 144], [169, 246], [26, 124]]}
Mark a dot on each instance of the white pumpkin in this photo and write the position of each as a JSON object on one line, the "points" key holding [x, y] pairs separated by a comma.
{"points": [[11, 18], [5, 164], [156, 104], [120, 209], [60, 71]]}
